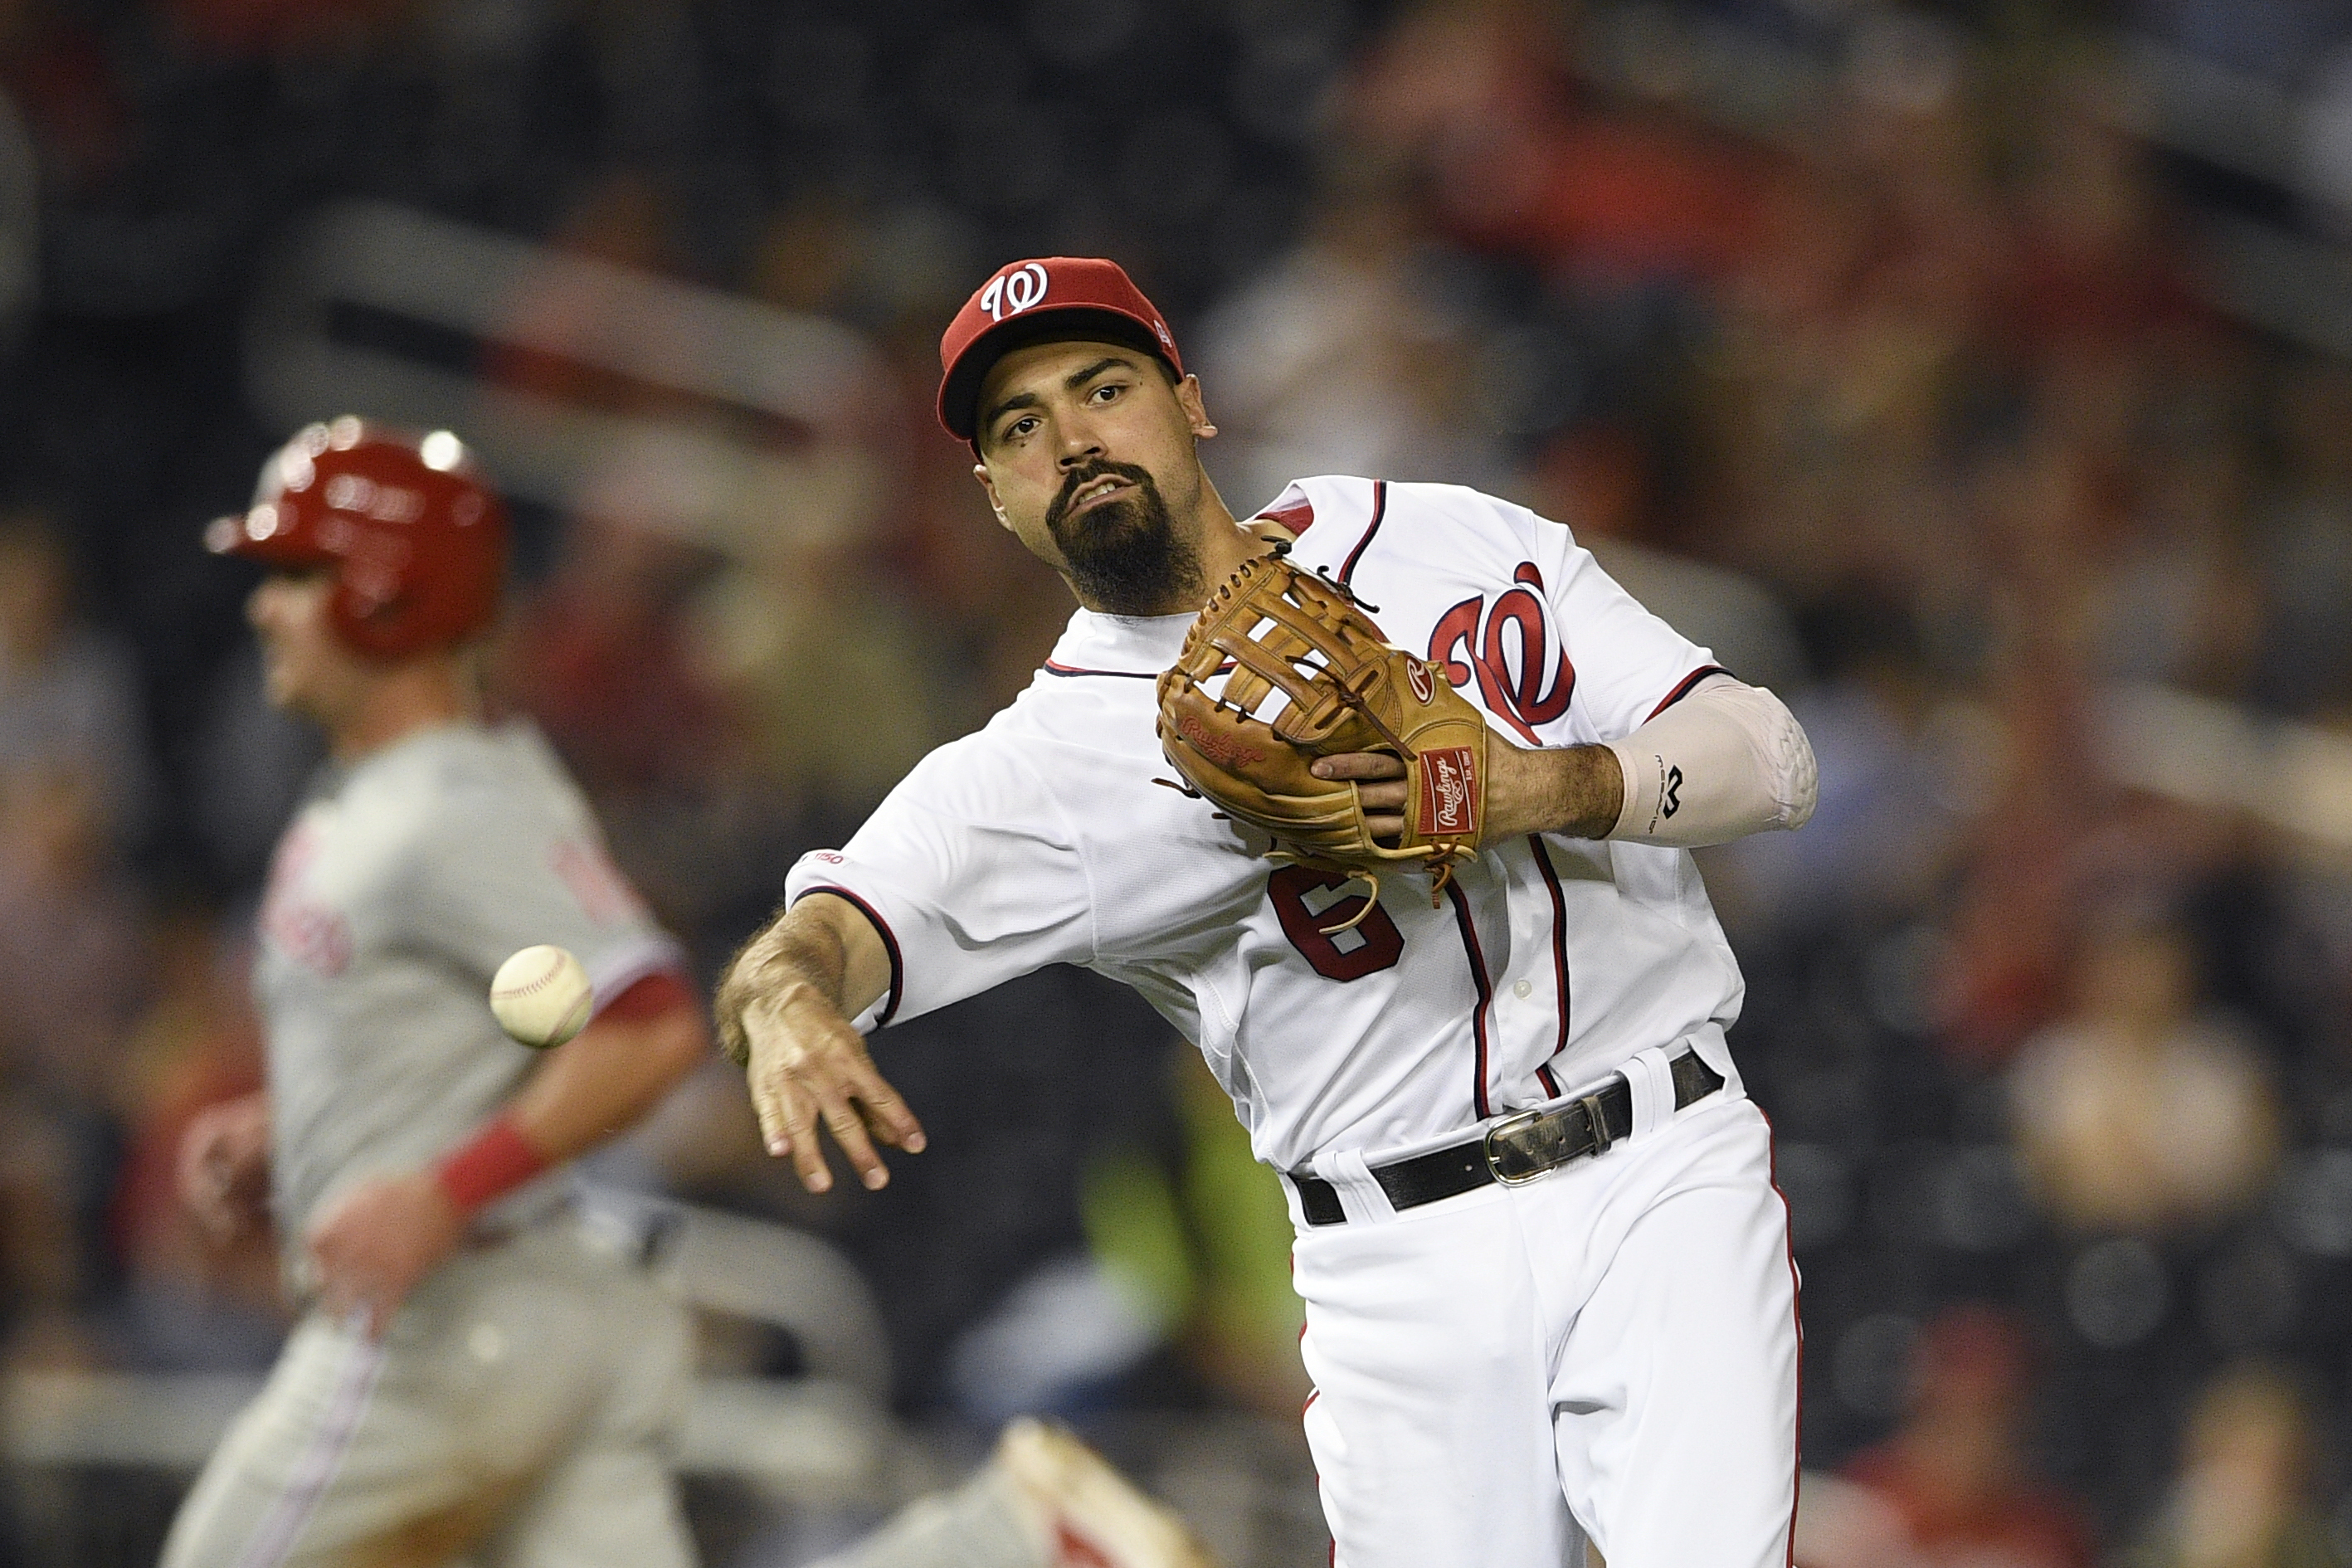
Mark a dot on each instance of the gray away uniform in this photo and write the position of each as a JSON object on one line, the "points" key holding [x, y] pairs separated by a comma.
{"points": [[521, 1406]]}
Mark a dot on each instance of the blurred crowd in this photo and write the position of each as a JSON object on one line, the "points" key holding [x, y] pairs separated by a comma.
{"points": [[1906, 393]]}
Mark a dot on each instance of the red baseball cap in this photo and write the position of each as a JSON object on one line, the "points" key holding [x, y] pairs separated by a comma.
{"points": [[1048, 298]]}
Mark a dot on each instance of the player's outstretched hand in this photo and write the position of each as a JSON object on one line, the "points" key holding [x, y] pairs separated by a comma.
{"points": [[224, 1168], [809, 1068], [372, 1245]]}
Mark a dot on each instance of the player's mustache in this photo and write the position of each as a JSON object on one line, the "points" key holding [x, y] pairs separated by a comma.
{"points": [[1079, 478]]}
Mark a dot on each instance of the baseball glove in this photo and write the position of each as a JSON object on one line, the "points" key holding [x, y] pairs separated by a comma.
{"points": [[1307, 674]]}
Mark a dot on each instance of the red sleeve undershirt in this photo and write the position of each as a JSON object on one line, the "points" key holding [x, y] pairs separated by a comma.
{"points": [[499, 1157]]}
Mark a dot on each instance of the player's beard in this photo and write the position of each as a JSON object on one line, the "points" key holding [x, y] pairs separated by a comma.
{"points": [[1123, 556]]}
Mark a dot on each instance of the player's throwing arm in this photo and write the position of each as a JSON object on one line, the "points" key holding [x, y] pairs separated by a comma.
{"points": [[784, 1011]]}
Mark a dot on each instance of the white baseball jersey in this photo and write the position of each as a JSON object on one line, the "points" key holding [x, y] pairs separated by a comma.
{"points": [[1050, 836], [399, 887]]}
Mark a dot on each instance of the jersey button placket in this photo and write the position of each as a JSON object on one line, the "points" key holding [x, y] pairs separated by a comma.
{"points": [[1524, 989]]}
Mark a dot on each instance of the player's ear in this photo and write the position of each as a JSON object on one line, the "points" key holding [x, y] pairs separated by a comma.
{"points": [[1196, 412], [979, 472]]}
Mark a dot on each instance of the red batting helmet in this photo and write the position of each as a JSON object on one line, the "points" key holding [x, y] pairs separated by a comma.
{"points": [[417, 537], [1049, 299]]}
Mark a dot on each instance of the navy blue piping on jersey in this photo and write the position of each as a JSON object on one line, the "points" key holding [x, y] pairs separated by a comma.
{"points": [[1066, 670], [889, 944], [1380, 510], [1683, 688], [1486, 991], [1558, 953]]}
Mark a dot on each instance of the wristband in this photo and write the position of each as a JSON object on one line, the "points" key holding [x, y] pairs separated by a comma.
{"points": [[494, 1163]]}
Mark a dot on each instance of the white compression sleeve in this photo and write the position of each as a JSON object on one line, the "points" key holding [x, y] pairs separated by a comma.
{"points": [[1726, 761]]}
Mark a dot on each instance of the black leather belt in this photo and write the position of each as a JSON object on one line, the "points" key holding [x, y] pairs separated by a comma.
{"points": [[1514, 1149]]}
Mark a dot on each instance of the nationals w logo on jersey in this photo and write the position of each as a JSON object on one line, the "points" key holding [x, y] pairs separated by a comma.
{"points": [[1505, 646]]}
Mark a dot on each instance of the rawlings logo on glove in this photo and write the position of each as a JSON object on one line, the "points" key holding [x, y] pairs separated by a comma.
{"points": [[1449, 791], [1342, 688]]}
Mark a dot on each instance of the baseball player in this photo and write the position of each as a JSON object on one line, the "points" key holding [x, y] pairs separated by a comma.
{"points": [[474, 1377], [1550, 1299]]}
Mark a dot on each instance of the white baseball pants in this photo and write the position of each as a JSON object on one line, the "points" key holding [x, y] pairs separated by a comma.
{"points": [[1608, 1352], [519, 1412]]}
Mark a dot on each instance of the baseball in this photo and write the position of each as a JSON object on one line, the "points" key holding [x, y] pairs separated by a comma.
{"points": [[542, 996]]}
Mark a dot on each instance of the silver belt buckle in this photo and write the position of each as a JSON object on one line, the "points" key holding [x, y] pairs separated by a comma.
{"points": [[1512, 1166], [1515, 1167]]}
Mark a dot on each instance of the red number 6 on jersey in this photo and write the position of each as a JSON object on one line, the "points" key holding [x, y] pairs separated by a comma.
{"points": [[1372, 945]]}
